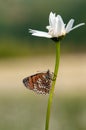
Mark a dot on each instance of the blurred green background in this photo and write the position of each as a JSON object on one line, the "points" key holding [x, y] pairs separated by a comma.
{"points": [[22, 54], [17, 16]]}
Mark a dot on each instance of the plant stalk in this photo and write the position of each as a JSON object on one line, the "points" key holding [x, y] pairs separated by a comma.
{"points": [[53, 86]]}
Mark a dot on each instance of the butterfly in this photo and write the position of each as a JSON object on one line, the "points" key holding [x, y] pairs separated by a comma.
{"points": [[39, 82]]}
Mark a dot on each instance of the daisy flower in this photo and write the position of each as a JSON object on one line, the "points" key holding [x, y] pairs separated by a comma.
{"points": [[57, 29]]}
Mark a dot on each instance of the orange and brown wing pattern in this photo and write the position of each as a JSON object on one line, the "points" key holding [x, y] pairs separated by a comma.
{"points": [[40, 82]]}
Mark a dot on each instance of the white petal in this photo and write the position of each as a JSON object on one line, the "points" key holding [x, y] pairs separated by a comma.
{"points": [[40, 33], [57, 29], [61, 24], [48, 27], [77, 26], [69, 25], [61, 20], [58, 26], [52, 19]]}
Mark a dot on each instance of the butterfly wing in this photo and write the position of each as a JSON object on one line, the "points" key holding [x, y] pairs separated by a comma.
{"points": [[40, 82]]}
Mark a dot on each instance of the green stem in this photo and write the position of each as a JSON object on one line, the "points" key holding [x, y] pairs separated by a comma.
{"points": [[53, 85]]}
